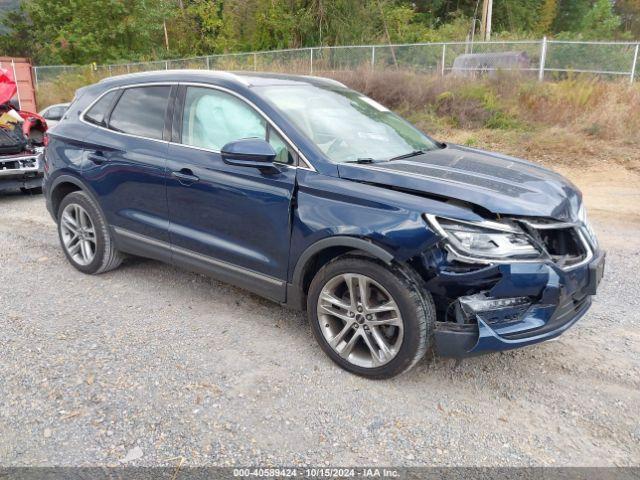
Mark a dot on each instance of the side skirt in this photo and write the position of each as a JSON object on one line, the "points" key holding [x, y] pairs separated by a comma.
{"points": [[141, 245]]}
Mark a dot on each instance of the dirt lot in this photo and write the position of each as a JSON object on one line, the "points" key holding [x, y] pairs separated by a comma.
{"points": [[148, 364]]}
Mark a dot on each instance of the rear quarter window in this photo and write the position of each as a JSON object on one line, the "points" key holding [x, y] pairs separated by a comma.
{"points": [[97, 114], [141, 111]]}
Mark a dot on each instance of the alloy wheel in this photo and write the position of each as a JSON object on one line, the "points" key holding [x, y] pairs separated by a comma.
{"points": [[360, 320], [78, 234]]}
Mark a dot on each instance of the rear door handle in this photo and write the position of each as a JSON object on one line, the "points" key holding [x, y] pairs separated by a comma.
{"points": [[185, 176], [97, 157]]}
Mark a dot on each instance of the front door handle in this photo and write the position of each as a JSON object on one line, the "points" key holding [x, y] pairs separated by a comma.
{"points": [[185, 176]]}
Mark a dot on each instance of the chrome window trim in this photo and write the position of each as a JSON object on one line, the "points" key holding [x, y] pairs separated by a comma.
{"points": [[301, 158], [123, 87]]}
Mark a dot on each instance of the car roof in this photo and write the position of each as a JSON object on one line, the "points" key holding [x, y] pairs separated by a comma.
{"points": [[246, 79]]}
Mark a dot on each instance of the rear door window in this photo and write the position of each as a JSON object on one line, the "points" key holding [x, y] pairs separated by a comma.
{"points": [[141, 111], [97, 114]]}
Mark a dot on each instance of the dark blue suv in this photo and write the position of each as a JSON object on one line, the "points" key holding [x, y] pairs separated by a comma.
{"points": [[317, 197]]}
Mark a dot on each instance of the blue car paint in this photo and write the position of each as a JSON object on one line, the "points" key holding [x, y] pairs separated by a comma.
{"points": [[267, 222]]}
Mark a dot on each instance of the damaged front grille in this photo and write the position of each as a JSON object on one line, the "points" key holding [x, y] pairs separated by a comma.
{"points": [[20, 164], [565, 243]]}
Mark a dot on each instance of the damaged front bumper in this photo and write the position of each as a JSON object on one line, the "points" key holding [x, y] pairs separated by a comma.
{"points": [[524, 303], [22, 171]]}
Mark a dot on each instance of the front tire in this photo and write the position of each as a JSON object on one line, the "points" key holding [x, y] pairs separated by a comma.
{"points": [[84, 235], [372, 319]]}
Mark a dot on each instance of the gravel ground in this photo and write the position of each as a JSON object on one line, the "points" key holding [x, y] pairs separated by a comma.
{"points": [[148, 364]]}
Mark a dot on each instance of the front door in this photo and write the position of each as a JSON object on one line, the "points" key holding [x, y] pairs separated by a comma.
{"points": [[231, 221]]}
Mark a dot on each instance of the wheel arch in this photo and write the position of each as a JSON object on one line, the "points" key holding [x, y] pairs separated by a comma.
{"points": [[319, 254], [63, 186]]}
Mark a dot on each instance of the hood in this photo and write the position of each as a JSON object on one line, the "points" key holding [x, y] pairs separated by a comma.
{"points": [[501, 184]]}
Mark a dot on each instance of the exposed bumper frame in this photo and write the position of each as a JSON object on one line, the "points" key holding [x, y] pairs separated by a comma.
{"points": [[27, 174], [456, 342]]}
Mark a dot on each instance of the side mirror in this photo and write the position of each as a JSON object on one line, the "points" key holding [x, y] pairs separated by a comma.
{"points": [[249, 152]]}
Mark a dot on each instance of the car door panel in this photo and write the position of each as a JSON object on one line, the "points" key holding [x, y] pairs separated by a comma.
{"points": [[237, 215], [128, 174]]}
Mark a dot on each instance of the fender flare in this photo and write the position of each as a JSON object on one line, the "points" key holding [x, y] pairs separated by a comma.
{"points": [[67, 178], [295, 295]]}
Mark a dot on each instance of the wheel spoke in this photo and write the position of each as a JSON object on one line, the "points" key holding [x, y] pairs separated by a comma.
{"points": [[69, 222], [81, 216], [334, 301], [335, 341], [84, 250], [335, 313], [363, 289], [395, 321], [348, 348], [350, 280], [375, 359], [73, 249], [71, 240], [385, 350], [390, 306]]}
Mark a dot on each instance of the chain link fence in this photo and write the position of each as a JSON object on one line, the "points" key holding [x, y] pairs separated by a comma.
{"points": [[544, 59]]}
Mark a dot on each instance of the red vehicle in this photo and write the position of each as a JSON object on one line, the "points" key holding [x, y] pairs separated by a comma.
{"points": [[22, 140]]}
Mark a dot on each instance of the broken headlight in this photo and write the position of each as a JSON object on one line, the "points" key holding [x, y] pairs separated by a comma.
{"points": [[485, 240], [586, 225]]}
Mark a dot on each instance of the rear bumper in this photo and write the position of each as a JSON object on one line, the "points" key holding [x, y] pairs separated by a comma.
{"points": [[564, 298], [21, 171]]}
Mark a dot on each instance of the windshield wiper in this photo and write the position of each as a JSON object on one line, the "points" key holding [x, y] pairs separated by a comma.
{"points": [[415, 153], [362, 160]]}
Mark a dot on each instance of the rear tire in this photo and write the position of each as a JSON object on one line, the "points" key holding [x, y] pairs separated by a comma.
{"points": [[84, 235], [379, 337]]}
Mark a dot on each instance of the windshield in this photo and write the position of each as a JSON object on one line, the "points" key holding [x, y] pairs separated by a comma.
{"points": [[346, 125]]}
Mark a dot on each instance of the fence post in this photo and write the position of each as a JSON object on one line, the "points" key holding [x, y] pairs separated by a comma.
{"points": [[255, 61], [543, 59], [311, 61], [166, 65], [35, 73], [444, 53], [373, 57], [635, 62]]}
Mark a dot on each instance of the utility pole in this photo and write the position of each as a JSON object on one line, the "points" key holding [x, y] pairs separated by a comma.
{"points": [[166, 34], [386, 32], [487, 13]]}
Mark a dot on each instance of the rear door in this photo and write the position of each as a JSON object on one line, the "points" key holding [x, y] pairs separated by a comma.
{"points": [[230, 221], [125, 165]]}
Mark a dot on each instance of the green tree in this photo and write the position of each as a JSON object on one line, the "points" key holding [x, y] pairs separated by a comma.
{"points": [[85, 31], [600, 22], [629, 11], [548, 13], [570, 15]]}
